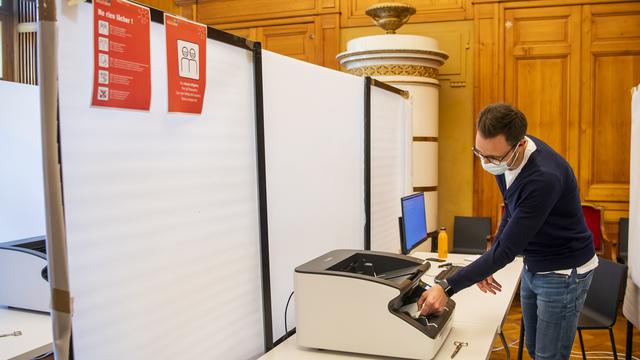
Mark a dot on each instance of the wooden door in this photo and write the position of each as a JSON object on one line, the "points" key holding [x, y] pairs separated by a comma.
{"points": [[542, 73], [610, 67]]}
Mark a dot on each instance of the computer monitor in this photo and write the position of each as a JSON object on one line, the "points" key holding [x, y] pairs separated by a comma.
{"points": [[413, 223]]}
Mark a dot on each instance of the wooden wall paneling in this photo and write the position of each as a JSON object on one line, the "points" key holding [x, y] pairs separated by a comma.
{"points": [[315, 39], [542, 72], [353, 11], [329, 4], [7, 32], [486, 19], [214, 12], [298, 40], [250, 33], [328, 27], [182, 8], [610, 67], [514, 4], [7, 52], [569, 68], [264, 23]]}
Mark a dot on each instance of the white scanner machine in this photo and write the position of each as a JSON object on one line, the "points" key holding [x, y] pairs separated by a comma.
{"points": [[23, 274], [360, 301]]}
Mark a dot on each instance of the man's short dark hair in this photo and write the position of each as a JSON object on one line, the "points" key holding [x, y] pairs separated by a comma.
{"points": [[502, 119]]}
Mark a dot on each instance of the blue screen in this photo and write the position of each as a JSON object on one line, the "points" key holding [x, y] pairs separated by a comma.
{"points": [[414, 220]]}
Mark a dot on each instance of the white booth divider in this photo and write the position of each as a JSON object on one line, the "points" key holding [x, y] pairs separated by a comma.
{"points": [[634, 193], [390, 166], [161, 210], [21, 181], [631, 305], [314, 128]]}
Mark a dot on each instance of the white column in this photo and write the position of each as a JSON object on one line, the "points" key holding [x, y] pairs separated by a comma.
{"points": [[409, 62]]}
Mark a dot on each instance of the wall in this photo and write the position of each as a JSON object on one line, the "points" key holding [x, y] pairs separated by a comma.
{"points": [[184, 8], [456, 132], [570, 67], [325, 20]]}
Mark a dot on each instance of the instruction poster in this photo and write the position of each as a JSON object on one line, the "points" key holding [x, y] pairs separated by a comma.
{"points": [[121, 64], [186, 64]]}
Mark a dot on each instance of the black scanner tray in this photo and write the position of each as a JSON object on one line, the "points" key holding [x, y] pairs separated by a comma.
{"points": [[434, 323]]}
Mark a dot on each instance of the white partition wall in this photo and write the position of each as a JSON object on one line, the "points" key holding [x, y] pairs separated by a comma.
{"points": [[390, 166], [634, 193], [631, 305], [161, 210], [314, 126], [21, 182]]}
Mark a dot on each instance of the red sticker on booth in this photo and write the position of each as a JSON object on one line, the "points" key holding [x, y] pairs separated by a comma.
{"points": [[186, 64], [121, 55]]}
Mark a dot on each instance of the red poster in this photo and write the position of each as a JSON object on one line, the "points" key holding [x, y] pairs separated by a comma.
{"points": [[121, 55], [186, 64]]}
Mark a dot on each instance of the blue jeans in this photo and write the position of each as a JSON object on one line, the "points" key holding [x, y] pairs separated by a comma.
{"points": [[551, 304]]}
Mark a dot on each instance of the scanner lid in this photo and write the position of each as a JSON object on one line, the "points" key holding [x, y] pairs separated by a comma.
{"points": [[394, 270]]}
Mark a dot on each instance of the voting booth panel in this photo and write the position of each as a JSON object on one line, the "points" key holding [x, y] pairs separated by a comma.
{"points": [[390, 166], [22, 212], [314, 121], [161, 210], [634, 193], [631, 305]]}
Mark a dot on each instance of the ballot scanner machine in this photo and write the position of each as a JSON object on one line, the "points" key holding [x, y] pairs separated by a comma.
{"points": [[365, 302], [23, 274]]}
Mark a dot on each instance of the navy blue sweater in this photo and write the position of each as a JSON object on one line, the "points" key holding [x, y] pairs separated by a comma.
{"points": [[542, 220]]}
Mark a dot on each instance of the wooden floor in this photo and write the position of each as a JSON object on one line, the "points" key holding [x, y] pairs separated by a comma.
{"points": [[596, 341]]}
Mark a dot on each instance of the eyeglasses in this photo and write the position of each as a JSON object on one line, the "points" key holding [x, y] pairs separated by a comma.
{"points": [[496, 160]]}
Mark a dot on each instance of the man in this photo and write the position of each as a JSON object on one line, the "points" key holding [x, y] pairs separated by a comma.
{"points": [[543, 221]]}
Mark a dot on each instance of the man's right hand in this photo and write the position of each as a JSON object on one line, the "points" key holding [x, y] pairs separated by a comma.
{"points": [[432, 300], [489, 285]]}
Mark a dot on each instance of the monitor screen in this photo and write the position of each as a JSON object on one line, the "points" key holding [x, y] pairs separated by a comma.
{"points": [[414, 221]]}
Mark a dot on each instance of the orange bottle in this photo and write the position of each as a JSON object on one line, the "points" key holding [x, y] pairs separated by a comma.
{"points": [[443, 243]]}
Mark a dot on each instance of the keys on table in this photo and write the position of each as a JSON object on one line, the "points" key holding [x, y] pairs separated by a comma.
{"points": [[15, 333], [459, 345]]}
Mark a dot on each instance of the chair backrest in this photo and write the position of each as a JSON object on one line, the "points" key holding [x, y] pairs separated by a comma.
{"points": [[593, 217], [470, 234], [606, 289], [623, 237]]}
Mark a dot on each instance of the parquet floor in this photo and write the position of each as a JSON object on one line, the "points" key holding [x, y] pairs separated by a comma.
{"points": [[595, 341]]}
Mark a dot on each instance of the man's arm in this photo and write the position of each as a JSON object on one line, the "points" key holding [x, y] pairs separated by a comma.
{"points": [[525, 221], [531, 212]]}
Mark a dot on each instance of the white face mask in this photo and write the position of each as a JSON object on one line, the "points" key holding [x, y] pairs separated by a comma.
{"points": [[495, 169], [499, 169]]}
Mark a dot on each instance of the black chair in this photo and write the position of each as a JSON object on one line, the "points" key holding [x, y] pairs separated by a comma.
{"points": [[601, 305], [470, 234], [623, 239]]}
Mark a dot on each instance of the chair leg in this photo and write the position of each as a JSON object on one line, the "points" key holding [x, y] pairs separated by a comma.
{"points": [[584, 356], [521, 341], [504, 343], [613, 344], [629, 342]]}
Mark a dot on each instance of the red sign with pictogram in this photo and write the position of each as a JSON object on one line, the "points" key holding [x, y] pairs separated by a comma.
{"points": [[186, 64], [121, 59]]}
